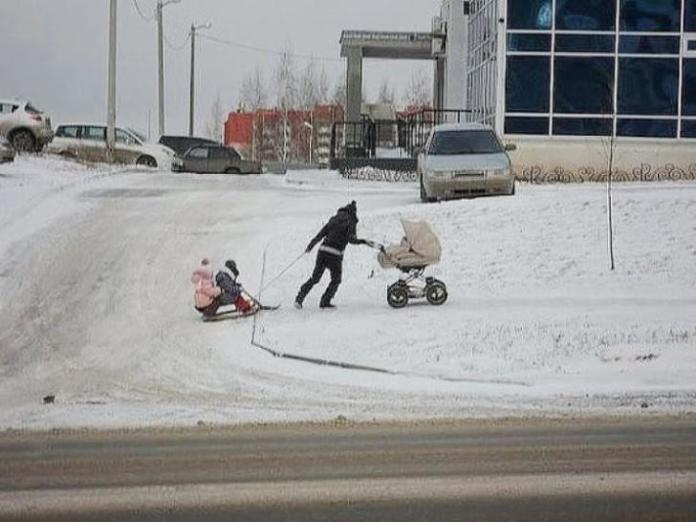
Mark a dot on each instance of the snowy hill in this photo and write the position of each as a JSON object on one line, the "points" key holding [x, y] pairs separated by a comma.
{"points": [[97, 303]]}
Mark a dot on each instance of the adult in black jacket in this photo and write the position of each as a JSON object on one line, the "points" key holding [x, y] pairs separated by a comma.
{"points": [[336, 234]]}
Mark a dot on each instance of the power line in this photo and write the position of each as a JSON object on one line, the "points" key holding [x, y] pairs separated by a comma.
{"points": [[140, 12], [179, 47], [269, 51]]}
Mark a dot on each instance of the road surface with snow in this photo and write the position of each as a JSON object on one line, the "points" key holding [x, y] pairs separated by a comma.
{"points": [[96, 308]]}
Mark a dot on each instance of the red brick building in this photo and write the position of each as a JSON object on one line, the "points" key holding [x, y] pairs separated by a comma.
{"points": [[273, 135]]}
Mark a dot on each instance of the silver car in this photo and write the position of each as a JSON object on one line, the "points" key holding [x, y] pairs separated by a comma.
{"points": [[7, 153], [25, 126], [464, 160], [88, 143]]}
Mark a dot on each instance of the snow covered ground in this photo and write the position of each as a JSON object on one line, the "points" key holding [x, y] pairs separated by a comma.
{"points": [[96, 308]]}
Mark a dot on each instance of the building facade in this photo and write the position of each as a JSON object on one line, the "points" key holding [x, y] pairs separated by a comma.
{"points": [[571, 80], [274, 136]]}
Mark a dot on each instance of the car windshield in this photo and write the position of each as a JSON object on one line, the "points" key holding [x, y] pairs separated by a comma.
{"points": [[31, 109], [452, 143]]}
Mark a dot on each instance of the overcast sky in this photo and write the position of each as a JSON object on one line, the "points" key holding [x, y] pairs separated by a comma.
{"points": [[54, 52]]}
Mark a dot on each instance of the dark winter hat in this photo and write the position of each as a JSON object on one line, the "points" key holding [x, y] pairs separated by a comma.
{"points": [[232, 267], [351, 208]]}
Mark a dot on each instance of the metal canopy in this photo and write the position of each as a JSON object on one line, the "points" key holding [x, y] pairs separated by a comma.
{"points": [[389, 45]]}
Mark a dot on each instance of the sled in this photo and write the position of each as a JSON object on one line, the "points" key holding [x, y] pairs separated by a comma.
{"points": [[234, 314]]}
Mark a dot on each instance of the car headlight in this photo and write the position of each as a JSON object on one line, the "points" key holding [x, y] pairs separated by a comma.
{"points": [[498, 173]]}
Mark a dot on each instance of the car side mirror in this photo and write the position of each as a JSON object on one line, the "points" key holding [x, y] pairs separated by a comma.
{"points": [[509, 147]]}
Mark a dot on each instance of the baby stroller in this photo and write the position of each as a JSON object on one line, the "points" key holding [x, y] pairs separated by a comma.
{"points": [[419, 249]]}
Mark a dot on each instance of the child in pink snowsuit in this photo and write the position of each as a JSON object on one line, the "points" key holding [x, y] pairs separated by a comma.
{"points": [[206, 295]]}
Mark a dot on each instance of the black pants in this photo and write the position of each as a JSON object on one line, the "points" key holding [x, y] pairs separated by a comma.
{"points": [[335, 266]]}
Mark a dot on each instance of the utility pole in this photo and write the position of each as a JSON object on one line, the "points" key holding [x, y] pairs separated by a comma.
{"points": [[192, 93], [111, 103], [160, 56]]}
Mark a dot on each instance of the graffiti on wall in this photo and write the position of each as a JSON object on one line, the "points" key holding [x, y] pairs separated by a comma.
{"points": [[378, 174], [644, 172], [537, 174]]}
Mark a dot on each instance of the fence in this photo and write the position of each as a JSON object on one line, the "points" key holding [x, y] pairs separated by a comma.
{"points": [[386, 146]]}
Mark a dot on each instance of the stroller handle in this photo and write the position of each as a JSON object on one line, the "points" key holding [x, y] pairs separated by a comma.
{"points": [[375, 245]]}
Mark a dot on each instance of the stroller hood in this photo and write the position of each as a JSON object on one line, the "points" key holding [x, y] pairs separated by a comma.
{"points": [[420, 247]]}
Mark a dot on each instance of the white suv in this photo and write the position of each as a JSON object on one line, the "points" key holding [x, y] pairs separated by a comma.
{"points": [[88, 143], [26, 128]]}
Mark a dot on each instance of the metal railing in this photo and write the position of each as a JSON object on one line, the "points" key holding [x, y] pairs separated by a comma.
{"points": [[398, 138]]}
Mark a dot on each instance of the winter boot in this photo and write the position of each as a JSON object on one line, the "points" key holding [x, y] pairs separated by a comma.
{"points": [[298, 304], [327, 306]]}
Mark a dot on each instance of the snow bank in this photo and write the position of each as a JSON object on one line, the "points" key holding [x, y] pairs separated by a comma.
{"points": [[535, 324]]}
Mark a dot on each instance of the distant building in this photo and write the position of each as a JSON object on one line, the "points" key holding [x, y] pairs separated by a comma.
{"points": [[277, 136], [560, 78]]}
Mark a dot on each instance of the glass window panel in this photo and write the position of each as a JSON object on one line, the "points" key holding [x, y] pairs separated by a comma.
{"points": [[691, 45], [689, 88], [123, 137], [95, 133], [198, 153], [688, 129], [68, 132], [529, 42], [586, 15], [584, 43], [582, 126], [690, 16], [647, 128], [527, 83], [584, 85], [633, 44], [522, 125], [648, 86], [650, 15], [219, 153], [529, 14]]}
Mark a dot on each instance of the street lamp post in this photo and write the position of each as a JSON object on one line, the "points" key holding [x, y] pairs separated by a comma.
{"points": [[192, 93], [111, 103], [161, 4], [309, 126]]}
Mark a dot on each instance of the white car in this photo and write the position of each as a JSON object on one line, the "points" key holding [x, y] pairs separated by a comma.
{"points": [[88, 143], [27, 128], [464, 160]]}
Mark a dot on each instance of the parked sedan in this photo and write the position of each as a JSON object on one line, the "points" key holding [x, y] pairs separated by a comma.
{"points": [[88, 143], [217, 159], [7, 153], [182, 144], [25, 126], [464, 160]]}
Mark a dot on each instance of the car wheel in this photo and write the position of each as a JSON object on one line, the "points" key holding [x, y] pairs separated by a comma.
{"points": [[232, 170], [23, 141], [436, 293], [397, 295], [147, 161], [514, 188]]}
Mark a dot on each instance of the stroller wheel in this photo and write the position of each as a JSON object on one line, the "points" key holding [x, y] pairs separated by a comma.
{"points": [[397, 295], [436, 293]]}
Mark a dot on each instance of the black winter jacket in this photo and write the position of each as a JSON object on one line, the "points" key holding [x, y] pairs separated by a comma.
{"points": [[228, 285], [338, 232]]}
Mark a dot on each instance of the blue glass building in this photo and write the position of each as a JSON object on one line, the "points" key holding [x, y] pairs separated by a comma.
{"points": [[586, 69]]}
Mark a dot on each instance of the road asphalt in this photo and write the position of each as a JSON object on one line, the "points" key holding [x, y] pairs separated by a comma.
{"points": [[568, 469]]}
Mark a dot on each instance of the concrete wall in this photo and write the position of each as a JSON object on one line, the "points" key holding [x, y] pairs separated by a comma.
{"points": [[455, 67], [573, 159]]}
